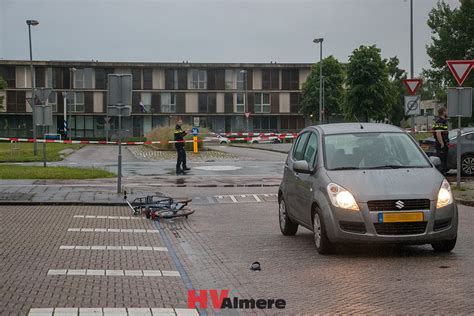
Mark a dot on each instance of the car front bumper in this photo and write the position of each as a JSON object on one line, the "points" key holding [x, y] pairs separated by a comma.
{"points": [[365, 226]]}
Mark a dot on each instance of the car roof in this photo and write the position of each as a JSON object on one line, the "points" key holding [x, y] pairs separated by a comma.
{"points": [[342, 128]]}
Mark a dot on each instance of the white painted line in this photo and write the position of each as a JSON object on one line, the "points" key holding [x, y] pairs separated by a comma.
{"points": [[76, 272], [107, 217], [139, 312], [95, 272], [114, 248], [242, 195], [57, 272], [67, 247], [129, 248], [98, 247], [265, 195], [233, 198], [220, 197], [152, 273], [133, 272], [90, 311], [257, 198], [79, 216], [114, 272], [83, 247], [108, 311], [186, 312], [147, 248], [170, 273], [65, 311], [115, 311], [162, 312], [102, 216], [90, 216], [159, 249], [113, 230], [92, 272]]}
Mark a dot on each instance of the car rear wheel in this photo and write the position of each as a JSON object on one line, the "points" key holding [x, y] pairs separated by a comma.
{"points": [[321, 240], [467, 165], [287, 227], [444, 245]]}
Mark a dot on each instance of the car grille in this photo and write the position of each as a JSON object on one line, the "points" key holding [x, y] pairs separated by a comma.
{"points": [[391, 205], [411, 228], [354, 227], [441, 224]]}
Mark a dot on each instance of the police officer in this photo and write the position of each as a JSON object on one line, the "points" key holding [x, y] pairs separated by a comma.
{"points": [[440, 134], [181, 160]]}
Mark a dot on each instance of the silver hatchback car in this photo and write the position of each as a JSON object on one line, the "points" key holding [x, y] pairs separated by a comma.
{"points": [[368, 183]]}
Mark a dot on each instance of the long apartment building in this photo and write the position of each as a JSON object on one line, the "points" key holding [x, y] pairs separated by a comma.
{"points": [[215, 96]]}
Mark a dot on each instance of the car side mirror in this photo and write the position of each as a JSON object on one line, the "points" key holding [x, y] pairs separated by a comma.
{"points": [[301, 166], [435, 161]]}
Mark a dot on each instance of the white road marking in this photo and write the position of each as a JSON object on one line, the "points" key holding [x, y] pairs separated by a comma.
{"points": [[109, 311], [113, 230], [107, 217], [233, 198], [99, 272], [257, 198], [140, 248]]}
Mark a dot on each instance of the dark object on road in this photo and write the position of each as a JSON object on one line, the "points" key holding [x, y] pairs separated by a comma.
{"points": [[255, 266], [157, 207], [467, 150], [371, 185]]}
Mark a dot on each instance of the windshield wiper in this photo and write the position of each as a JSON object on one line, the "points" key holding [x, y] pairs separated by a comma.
{"points": [[346, 168], [390, 167]]}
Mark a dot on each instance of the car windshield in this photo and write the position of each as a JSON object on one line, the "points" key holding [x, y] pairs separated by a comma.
{"points": [[372, 151]]}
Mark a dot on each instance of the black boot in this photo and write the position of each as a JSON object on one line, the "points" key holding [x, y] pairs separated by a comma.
{"points": [[179, 171], [186, 168]]}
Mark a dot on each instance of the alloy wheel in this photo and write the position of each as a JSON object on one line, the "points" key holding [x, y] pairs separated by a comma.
{"points": [[317, 230], [468, 165]]}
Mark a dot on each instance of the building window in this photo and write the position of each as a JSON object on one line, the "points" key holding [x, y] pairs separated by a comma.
{"points": [[241, 79], [101, 77], [270, 79], [168, 103], [53, 101], [9, 74], [240, 102], [39, 77], [16, 101], [83, 78], [262, 103], [171, 79], [76, 104], [198, 79], [147, 79], [290, 79], [265, 123], [145, 105], [229, 79], [49, 77]]}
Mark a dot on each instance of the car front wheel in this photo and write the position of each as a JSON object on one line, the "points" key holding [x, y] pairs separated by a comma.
{"points": [[444, 245], [321, 240], [287, 227], [467, 165]]}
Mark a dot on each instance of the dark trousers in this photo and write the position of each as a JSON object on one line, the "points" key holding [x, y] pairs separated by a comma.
{"points": [[181, 160], [442, 153]]}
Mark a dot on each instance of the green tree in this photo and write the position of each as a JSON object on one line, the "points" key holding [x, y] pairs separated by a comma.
{"points": [[3, 86], [396, 76], [452, 38], [333, 76], [370, 94]]}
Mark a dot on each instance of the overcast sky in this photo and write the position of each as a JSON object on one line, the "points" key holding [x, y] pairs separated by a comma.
{"points": [[213, 31]]}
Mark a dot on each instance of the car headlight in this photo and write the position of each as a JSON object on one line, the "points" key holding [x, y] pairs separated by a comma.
{"points": [[342, 198], [445, 197]]}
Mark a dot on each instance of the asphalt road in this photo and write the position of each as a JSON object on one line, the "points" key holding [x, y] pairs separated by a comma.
{"points": [[214, 249], [249, 162]]}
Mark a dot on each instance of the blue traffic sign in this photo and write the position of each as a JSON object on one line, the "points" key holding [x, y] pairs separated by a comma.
{"points": [[195, 131]]}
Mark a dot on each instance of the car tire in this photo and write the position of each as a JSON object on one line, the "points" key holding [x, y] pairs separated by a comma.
{"points": [[321, 241], [223, 143], [254, 142], [444, 245], [467, 165], [287, 227]]}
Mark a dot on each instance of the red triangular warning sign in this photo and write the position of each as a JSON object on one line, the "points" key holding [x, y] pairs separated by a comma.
{"points": [[412, 85], [460, 69]]}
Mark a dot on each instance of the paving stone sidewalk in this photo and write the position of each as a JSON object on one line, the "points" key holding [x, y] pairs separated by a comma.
{"points": [[104, 191]]}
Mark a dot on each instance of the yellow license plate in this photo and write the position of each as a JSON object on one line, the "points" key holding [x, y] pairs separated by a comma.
{"points": [[401, 217]]}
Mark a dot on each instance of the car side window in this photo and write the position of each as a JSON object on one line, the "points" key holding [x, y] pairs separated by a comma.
{"points": [[311, 149], [298, 153], [470, 136]]}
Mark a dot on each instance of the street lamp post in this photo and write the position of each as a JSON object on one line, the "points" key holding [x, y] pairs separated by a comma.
{"points": [[245, 97], [411, 54], [320, 42], [72, 70], [33, 105]]}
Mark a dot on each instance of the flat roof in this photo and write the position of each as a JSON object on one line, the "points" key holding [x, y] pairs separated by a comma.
{"points": [[341, 128], [96, 63]]}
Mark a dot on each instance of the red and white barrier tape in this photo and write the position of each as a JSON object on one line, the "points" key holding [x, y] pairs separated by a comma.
{"points": [[257, 134]]}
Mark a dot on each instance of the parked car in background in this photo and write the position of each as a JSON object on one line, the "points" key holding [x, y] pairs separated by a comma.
{"points": [[265, 140], [467, 149], [216, 138], [366, 183]]}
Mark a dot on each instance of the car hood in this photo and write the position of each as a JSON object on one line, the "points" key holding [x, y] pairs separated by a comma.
{"points": [[389, 184]]}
